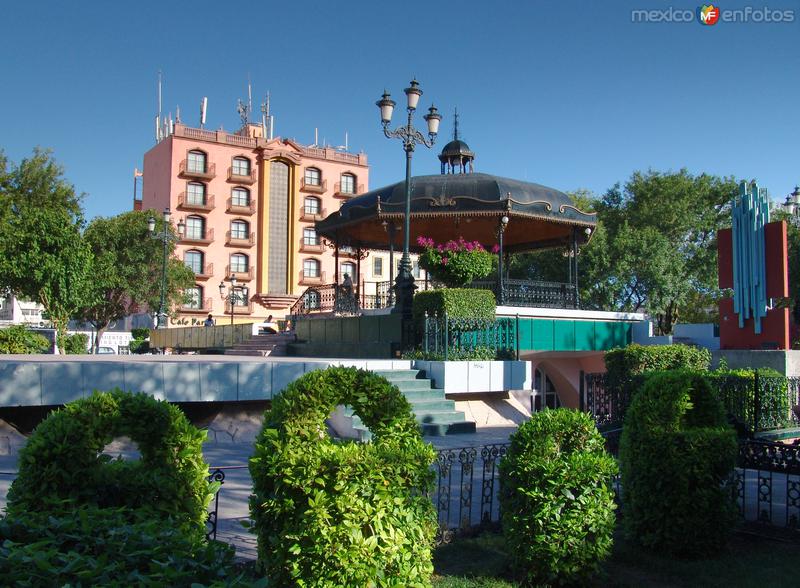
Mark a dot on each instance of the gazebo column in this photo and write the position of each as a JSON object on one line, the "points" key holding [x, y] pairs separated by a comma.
{"points": [[390, 230], [501, 285], [336, 260], [575, 270], [358, 275]]}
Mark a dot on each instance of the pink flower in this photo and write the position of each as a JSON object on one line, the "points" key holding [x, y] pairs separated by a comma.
{"points": [[444, 260], [495, 248], [440, 248], [469, 246]]}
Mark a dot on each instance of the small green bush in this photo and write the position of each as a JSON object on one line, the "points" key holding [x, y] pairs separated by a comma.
{"points": [[480, 353], [556, 498], [456, 302], [93, 546], [677, 453], [62, 466], [140, 333], [74, 344], [331, 513], [624, 363], [18, 339]]}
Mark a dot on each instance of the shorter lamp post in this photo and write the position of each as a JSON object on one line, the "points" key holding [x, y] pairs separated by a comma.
{"points": [[166, 236], [501, 286], [232, 297]]}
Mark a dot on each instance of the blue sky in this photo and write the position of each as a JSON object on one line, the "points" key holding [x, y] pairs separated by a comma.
{"points": [[571, 95]]}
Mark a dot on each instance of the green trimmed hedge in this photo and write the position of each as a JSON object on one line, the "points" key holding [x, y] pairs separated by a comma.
{"points": [[339, 513], [18, 339], [556, 499], [75, 344], [677, 453], [456, 302], [736, 389], [62, 466], [92, 546], [624, 363]]}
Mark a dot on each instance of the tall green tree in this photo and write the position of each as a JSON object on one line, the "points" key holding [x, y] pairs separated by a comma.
{"points": [[128, 265], [42, 253]]}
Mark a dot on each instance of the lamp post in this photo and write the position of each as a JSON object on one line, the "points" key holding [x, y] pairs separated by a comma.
{"points": [[501, 286], [166, 236], [232, 297], [404, 283]]}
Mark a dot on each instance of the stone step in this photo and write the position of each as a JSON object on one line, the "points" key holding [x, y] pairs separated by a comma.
{"points": [[397, 375], [434, 405], [413, 385]]}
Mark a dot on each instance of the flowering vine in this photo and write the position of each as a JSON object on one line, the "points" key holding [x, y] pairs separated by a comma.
{"points": [[454, 263]]}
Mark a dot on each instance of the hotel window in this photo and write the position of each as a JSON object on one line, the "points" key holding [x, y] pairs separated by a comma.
{"points": [[241, 298], [311, 205], [349, 269], [194, 296], [377, 267], [241, 166], [240, 197], [196, 193], [194, 261], [348, 184], [310, 268], [196, 162], [195, 227], [239, 229], [312, 176], [310, 237], [239, 262]]}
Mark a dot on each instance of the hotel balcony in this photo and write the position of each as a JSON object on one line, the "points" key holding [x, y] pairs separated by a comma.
{"points": [[203, 238], [306, 247], [235, 178], [209, 173], [239, 309], [317, 188], [311, 217], [311, 280], [186, 203], [247, 209], [348, 192], [245, 276], [204, 309], [205, 272], [237, 241]]}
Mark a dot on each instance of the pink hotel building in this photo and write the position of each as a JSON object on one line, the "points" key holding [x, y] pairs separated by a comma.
{"points": [[249, 205]]}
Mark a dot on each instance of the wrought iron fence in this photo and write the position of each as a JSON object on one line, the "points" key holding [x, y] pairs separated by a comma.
{"points": [[533, 293], [450, 337], [754, 403], [325, 298], [766, 483]]}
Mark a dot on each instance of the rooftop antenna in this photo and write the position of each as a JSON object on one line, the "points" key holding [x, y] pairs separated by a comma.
{"points": [[177, 115], [265, 118], [343, 147], [203, 109], [159, 135], [316, 137], [244, 112], [249, 95]]}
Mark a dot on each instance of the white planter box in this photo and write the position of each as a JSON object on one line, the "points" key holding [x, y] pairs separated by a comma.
{"points": [[470, 377]]}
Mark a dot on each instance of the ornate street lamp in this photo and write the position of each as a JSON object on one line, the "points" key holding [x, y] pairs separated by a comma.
{"points": [[166, 236], [233, 296], [404, 283]]}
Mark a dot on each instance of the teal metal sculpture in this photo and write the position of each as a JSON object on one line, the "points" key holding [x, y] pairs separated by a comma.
{"points": [[750, 214]]}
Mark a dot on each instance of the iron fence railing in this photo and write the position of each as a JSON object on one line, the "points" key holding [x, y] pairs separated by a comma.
{"points": [[449, 337], [754, 404], [532, 293]]}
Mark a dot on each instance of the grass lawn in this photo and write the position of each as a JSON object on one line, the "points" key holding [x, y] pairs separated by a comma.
{"points": [[749, 561]]}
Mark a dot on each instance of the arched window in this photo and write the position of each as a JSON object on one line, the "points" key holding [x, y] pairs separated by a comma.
{"points": [[311, 205], [239, 263], [194, 261], [348, 184], [312, 176], [239, 229], [194, 297], [241, 166], [310, 237], [347, 268], [240, 197], [195, 227], [196, 193], [311, 268], [546, 395], [196, 162]]}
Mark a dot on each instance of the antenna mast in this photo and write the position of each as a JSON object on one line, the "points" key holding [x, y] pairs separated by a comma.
{"points": [[203, 108]]}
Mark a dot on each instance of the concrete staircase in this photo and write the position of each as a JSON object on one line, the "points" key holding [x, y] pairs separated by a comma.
{"points": [[435, 413], [273, 345]]}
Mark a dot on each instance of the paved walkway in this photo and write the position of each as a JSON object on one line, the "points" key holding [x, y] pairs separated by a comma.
{"points": [[233, 500]]}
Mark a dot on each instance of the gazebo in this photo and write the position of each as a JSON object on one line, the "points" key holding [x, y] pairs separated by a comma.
{"points": [[518, 216]]}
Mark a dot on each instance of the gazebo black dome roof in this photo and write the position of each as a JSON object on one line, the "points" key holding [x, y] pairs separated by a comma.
{"points": [[449, 206], [455, 147]]}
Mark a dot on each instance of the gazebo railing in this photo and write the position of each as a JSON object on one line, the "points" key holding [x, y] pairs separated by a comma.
{"points": [[325, 298], [533, 293]]}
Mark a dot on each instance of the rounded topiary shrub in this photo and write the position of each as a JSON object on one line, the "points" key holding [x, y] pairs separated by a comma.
{"points": [[677, 453], [556, 498], [340, 513], [62, 464]]}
